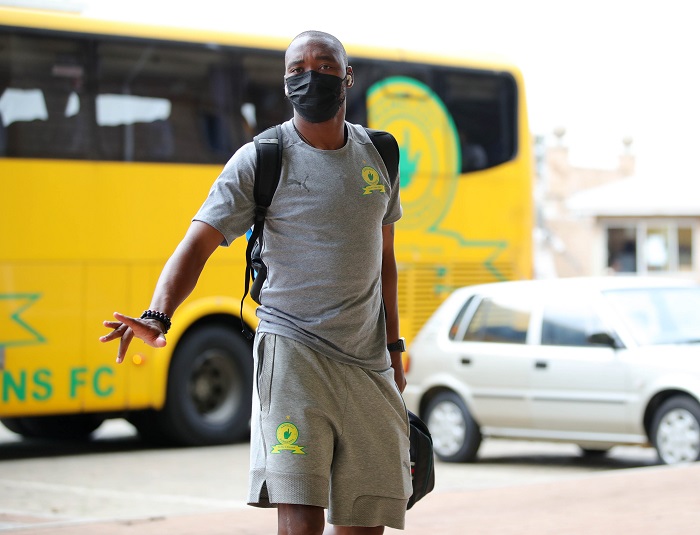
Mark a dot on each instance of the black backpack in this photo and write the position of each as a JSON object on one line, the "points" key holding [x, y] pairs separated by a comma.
{"points": [[268, 150]]}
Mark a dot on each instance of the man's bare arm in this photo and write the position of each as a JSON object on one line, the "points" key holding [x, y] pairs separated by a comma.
{"points": [[391, 301], [177, 280]]}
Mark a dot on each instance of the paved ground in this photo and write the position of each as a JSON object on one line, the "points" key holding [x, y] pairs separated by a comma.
{"points": [[646, 501]]}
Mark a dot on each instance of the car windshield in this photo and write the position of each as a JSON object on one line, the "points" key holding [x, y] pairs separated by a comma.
{"points": [[659, 315]]}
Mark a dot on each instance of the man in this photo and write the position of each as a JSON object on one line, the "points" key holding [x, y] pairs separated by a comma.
{"points": [[329, 428]]}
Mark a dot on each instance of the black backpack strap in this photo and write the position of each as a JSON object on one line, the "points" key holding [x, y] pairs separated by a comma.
{"points": [[388, 149], [268, 149], [268, 168]]}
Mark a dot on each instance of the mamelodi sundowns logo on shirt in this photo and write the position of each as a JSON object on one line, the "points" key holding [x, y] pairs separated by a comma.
{"points": [[430, 156]]}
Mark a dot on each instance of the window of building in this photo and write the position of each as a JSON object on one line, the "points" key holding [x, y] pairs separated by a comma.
{"points": [[685, 249], [646, 247]]}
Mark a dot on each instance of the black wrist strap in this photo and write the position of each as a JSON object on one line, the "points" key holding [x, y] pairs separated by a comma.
{"points": [[399, 345], [159, 316]]}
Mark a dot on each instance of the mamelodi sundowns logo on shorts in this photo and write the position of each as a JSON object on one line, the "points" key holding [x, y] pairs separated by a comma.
{"points": [[430, 154]]}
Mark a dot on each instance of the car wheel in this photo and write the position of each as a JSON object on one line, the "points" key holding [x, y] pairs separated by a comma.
{"points": [[456, 436], [209, 391], [676, 431]]}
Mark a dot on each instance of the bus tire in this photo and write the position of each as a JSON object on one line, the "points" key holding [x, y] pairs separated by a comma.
{"points": [[14, 425], [60, 427], [209, 391]]}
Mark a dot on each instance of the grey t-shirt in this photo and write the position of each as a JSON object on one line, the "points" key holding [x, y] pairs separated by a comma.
{"points": [[322, 242]]}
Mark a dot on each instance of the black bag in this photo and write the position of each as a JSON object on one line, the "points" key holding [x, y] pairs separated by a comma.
{"points": [[422, 459], [268, 150]]}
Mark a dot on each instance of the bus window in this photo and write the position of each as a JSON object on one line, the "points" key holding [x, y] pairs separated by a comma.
{"points": [[482, 105], [144, 101], [40, 98], [483, 108], [263, 89], [178, 117], [370, 72]]}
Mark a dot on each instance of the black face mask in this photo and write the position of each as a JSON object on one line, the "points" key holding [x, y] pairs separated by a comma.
{"points": [[316, 97]]}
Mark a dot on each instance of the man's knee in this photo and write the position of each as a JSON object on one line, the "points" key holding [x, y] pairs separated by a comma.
{"points": [[299, 519]]}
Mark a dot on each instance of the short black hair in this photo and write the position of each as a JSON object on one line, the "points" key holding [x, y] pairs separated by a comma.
{"points": [[323, 36]]}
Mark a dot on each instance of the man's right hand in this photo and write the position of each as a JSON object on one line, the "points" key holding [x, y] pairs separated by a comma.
{"points": [[148, 330]]}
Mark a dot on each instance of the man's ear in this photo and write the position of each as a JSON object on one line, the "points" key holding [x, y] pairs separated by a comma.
{"points": [[349, 78]]}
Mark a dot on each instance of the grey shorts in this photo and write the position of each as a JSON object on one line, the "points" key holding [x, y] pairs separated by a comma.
{"points": [[327, 434]]}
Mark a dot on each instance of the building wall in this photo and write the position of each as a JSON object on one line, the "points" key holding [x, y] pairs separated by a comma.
{"points": [[568, 245]]}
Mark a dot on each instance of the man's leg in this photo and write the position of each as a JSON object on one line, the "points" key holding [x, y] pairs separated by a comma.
{"points": [[371, 476], [299, 519], [309, 520]]}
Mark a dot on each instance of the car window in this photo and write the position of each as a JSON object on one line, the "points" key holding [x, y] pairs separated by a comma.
{"points": [[570, 323], [454, 330], [499, 320], [659, 315]]}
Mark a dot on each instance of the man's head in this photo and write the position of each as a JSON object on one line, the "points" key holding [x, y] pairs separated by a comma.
{"points": [[317, 75], [319, 39]]}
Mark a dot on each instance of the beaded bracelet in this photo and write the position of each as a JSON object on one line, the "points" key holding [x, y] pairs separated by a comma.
{"points": [[159, 316]]}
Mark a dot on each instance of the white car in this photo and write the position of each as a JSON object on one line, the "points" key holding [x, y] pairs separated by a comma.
{"points": [[598, 362]]}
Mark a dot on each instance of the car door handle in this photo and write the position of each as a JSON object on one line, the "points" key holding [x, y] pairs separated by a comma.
{"points": [[466, 361], [540, 365]]}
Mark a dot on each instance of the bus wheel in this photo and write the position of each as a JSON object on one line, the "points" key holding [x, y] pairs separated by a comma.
{"points": [[14, 425], [62, 427], [209, 389]]}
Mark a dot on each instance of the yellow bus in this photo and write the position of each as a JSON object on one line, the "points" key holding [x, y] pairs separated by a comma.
{"points": [[110, 137]]}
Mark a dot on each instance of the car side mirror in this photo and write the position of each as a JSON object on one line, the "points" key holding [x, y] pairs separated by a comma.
{"points": [[603, 339]]}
